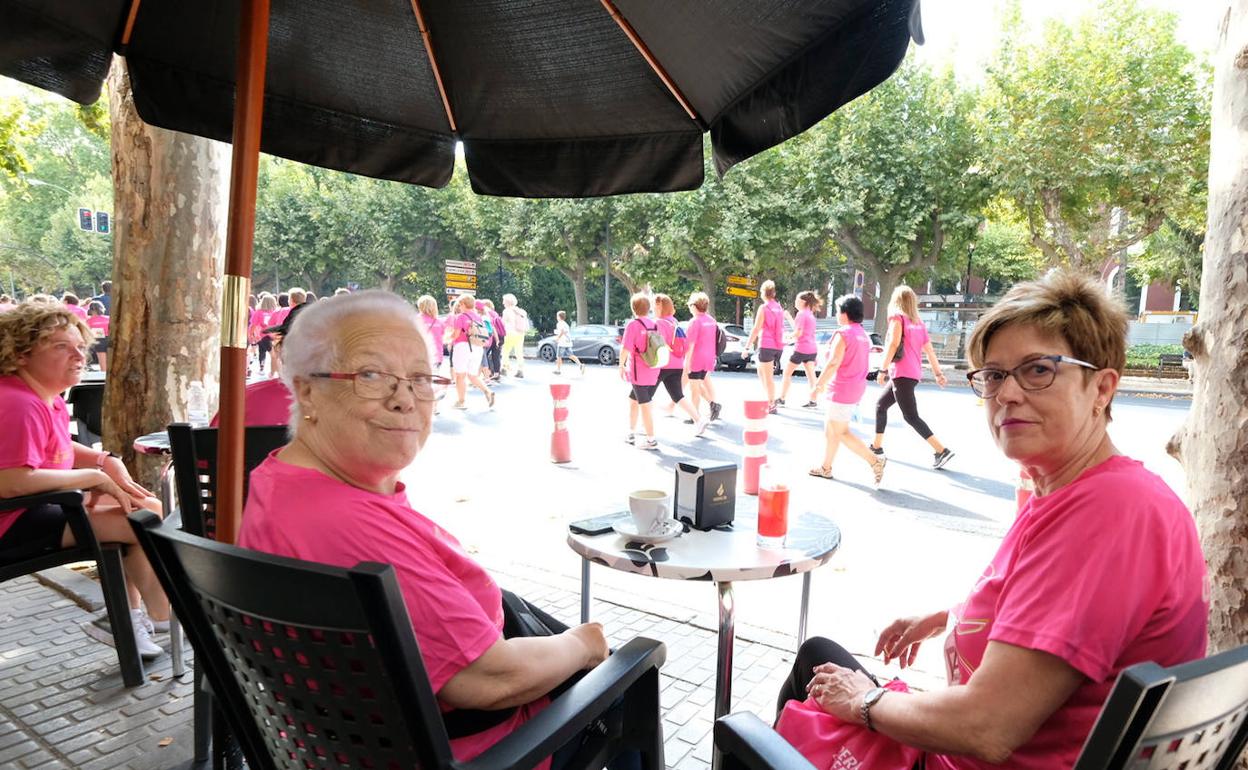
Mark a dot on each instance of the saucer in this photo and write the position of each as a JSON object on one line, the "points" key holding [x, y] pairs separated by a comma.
{"points": [[670, 529]]}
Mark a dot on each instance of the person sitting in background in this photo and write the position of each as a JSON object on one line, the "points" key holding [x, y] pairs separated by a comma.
{"points": [[98, 321], [43, 350], [70, 301], [267, 401], [361, 372], [1101, 569]]}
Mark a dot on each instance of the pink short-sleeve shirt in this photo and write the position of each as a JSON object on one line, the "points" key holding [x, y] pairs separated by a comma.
{"points": [[98, 324], [436, 327], [804, 323], [1103, 573], [35, 435], [910, 365], [635, 340], [850, 381], [455, 606], [773, 326], [667, 327], [702, 338]]}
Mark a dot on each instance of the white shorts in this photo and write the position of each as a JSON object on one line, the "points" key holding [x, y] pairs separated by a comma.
{"points": [[465, 358], [840, 412]]}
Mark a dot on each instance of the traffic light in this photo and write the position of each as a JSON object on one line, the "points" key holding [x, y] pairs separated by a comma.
{"points": [[84, 219], [101, 222]]}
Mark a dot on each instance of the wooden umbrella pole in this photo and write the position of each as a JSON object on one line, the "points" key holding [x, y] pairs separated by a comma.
{"points": [[253, 51]]}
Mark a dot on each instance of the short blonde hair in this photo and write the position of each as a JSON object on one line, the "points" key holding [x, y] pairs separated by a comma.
{"points": [[1070, 306], [768, 289], [297, 296], [466, 299], [663, 305], [640, 304], [699, 301], [25, 326], [426, 304], [906, 302]]}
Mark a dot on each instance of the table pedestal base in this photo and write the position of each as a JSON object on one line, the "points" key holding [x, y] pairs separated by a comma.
{"points": [[723, 663]]}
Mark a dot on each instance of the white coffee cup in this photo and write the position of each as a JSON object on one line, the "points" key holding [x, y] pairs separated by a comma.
{"points": [[650, 508]]}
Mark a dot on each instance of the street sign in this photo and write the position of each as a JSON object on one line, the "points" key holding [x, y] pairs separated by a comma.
{"points": [[737, 291], [460, 263], [859, 282], [742, 280], [460, 270], [101, 222], [452, 278], [450, 292], [85, 220]]}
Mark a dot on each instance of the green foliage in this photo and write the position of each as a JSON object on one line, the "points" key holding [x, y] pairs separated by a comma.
{"points": [[1149, 356], [1099, 129]]}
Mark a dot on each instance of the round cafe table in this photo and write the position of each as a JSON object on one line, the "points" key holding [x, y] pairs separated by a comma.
{"points": [[722, 556]]}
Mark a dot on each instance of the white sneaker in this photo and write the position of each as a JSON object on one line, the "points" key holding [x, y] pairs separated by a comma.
{"points": [[700, 427], [148, 650]]}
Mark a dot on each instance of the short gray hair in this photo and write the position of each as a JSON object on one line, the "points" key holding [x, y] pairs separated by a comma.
{"points": [[313, 345], [509, 300]]}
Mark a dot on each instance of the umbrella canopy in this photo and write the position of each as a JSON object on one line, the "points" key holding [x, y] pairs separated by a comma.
{"points": [[551, 98]]}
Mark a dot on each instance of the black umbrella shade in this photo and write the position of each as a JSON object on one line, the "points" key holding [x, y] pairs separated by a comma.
{"points": [[551, 98]]}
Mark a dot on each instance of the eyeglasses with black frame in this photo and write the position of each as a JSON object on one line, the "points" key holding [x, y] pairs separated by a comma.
{"points": [[1035, 374], [374, 385]]}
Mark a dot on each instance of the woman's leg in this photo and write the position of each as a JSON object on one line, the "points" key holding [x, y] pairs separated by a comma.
{"points": [[103, 358], [887, 399], [647, 419], [811, 379], [632, 414], [855, 444], [787, 380], [766, 376], [832, 442], [815, 651], [910, 411], [111, 526]]}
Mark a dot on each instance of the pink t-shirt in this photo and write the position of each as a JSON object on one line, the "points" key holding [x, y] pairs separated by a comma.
{"points": [[35, 435], [266, 402], [667, 327], [261, 320], [701, 335], [455, 606], [98, 324], [637, 371], [850, 380], [77, 310], [911, 364], [773, 326], [436, 327], [462, 323], [1103, 573], [804, 323]]}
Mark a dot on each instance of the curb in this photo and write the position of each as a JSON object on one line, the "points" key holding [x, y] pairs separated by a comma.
{"points": [[76, 586]]}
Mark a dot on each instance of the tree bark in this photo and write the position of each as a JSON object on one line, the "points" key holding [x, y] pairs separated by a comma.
{"points": [[710, 281], [577, 278], [1213, 443], [889, 276], [168, 256]]}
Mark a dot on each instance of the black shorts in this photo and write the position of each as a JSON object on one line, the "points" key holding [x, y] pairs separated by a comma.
{"points": [[802, 358], [767, 355], [100, 345], [670, 379], [697, 375], [642, 394], [37, 531]]}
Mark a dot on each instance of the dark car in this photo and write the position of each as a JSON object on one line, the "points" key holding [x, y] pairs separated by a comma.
{"points": [[594, 342]]}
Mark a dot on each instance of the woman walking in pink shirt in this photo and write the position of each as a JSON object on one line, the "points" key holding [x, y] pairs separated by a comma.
{"points": [[701, 354], [643, 378], [768, 335], [672, 376], [805, 352]]}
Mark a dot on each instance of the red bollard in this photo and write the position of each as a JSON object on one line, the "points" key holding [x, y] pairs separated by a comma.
{"points": [[1026, 487], [560, 449], [755, 436]]}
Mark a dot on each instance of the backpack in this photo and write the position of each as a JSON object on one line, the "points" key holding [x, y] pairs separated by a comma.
{"points": [[656, 353], [522, 321], [679, 345], [721, 340], [901, 341], [480, 332]]}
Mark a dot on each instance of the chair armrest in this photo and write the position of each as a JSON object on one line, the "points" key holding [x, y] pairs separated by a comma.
{"points": [[753, 744], [581, 704], [67, 497]]}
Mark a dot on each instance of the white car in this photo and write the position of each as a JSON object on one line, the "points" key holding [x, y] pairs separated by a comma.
{"points": [[734, 356], [875, 358]]}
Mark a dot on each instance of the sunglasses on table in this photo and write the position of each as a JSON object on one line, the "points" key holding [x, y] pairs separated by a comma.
{"points": [[1036, 374], [378, 385]]}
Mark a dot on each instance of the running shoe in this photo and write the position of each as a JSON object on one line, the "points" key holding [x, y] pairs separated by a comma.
{"points": [[778, 402], [460, 405], [630, 439], [878, 469], [716, 408], [941, 459], [878, 450], [700, 427], [690, 422], [558, 372], [582, 369], [489, 398], [148, 650], [811, 405], [773, 408], [519, 375], [649, 444]]}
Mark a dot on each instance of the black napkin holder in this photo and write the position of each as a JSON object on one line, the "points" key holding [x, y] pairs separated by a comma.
{"points": [[706, 496]]}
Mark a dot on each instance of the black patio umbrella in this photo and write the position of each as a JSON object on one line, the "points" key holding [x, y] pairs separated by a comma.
{"points": [[550, 98]]}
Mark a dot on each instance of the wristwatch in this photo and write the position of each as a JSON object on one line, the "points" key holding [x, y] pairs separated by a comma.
{"points": [[99, 461], [870, 699]]}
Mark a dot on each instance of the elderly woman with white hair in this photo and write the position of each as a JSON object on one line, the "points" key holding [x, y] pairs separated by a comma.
{"points": [[361, 376]]}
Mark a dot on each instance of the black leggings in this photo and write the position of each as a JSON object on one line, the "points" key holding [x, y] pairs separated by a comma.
{"points": [[901, 392], [815, 651], [263, 347]]}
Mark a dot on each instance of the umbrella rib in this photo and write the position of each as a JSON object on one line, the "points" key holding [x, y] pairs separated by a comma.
{"points": [[130, 17], [433, 63], [652, 60]]}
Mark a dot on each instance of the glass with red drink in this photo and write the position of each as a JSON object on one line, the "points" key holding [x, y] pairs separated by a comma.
{"points": [[773, 506]]}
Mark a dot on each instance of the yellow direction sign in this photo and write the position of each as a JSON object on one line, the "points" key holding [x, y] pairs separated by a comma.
{"points": [[742, 280], [458, 282], [737, 291]]}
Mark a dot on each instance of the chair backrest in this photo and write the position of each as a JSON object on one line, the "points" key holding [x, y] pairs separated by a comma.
{"points": [[87, 399], [1190, 716], [315, 666], [195, 468]]}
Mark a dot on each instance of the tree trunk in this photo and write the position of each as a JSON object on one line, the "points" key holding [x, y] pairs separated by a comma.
{"points": [[710, 281], [168, 257], [576, 276], [1213, 443], [888, 281]]}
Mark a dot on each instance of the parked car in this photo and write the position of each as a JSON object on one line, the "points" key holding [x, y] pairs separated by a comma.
{"points": [[733, 357], [590, 342], [875, 359]]}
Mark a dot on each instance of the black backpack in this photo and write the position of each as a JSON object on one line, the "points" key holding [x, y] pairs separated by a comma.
{"points": [[721, 340]]}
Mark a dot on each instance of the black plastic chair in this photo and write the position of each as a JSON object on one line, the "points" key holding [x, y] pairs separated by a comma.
{"points": [[87, 399], [107, 557], [318, 666], [1189, 717], [194, 452]]}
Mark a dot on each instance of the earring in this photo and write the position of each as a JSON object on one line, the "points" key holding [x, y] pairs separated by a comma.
{"points": [[1096, 411], [310, 418]]}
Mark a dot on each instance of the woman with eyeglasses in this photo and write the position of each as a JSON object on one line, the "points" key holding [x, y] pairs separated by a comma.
{"points": [[1100, 570], [362, 377]]}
